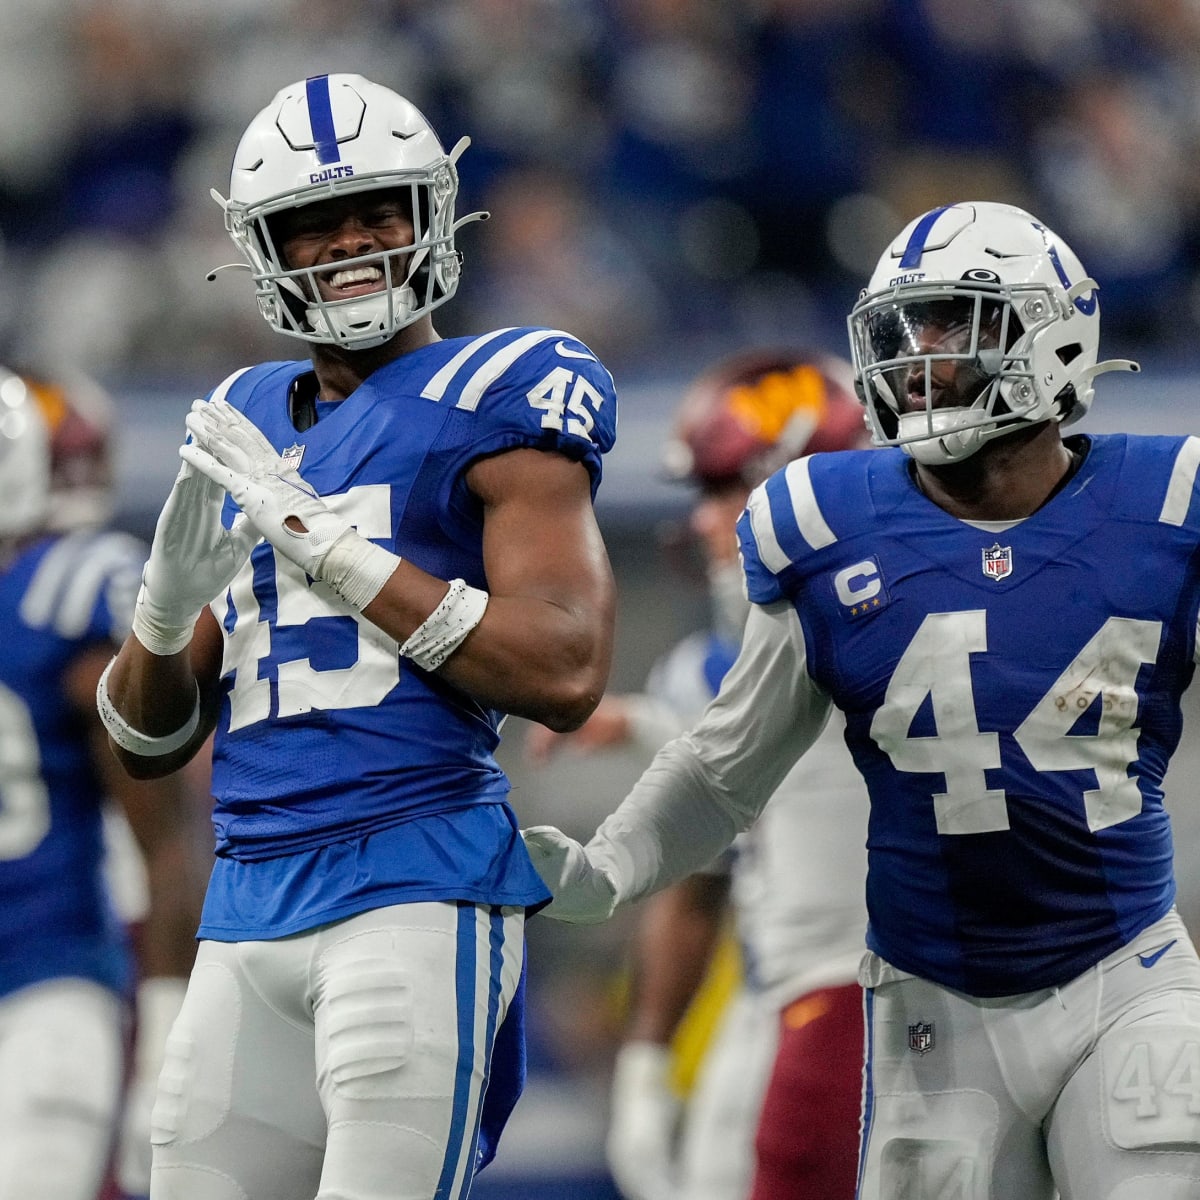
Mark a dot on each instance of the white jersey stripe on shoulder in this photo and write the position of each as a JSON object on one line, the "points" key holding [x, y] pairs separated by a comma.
{"points": [[38, 603], [1183, 482], [435, 389], [94, 574], [222, 388], [499, 362], [64, 590], [763, 528], [813, 526]]}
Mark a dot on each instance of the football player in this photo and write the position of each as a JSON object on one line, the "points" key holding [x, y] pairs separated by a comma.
{"points": [[793, 1030], [66, 973], [368, 558], [1007, 619]]}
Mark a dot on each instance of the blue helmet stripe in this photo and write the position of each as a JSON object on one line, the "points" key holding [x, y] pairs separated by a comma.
{"points": [[320, 117], [1088, 306], [916, 241]]}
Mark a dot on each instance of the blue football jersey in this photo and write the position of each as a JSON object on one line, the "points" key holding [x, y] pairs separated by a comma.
{"points": [[325, 734], [1011, 697], [58, 597]]}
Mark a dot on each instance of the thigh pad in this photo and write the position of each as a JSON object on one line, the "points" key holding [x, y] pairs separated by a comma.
{"points": [[933, 1145], [1151, 1079]]}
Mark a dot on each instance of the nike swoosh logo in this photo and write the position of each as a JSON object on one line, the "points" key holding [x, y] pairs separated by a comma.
{"points": [[1148, 960], [561, 347]]}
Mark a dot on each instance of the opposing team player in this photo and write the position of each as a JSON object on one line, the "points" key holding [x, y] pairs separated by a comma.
{"points": [[1007, 619], [66, 969], [408, 552], [788, 1047]]}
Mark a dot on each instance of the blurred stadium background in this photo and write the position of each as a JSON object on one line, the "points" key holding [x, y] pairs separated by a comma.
{"points": [[669, 180]]}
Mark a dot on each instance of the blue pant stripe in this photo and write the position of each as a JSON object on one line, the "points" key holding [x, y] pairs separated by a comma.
{"points": [[495, 973], [868, 1083], [464, 989], [320, 118]]}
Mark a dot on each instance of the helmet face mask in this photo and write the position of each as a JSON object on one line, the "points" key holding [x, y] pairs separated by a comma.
{"points": [[977, 322], [331, 137]]}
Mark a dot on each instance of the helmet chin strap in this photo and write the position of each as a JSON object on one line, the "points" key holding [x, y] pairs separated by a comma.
{"points": [[943, 436], [363, 323]]}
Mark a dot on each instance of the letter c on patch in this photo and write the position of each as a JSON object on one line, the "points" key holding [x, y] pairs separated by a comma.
{"points": [[857, 583]]}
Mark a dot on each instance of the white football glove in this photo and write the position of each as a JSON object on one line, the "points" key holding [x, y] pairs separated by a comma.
{"points": [[584, 893], [231, 451], [193, 559], [643, 1122]]}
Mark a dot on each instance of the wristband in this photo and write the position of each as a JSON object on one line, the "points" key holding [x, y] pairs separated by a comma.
{"points": [[442, 632], [136, 742], [357, 569], [156, 635]]}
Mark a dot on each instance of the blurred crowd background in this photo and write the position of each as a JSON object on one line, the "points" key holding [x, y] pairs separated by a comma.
{"points": [[661, 173], [669, 180]]}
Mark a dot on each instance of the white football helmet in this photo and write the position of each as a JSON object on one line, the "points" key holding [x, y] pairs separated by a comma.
{"points": [[331, 135], [978, 321], [24, 459]]}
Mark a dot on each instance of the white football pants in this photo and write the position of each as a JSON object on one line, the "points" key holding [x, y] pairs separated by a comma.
{"points": [[345, 1063], [716, 1155], [1093, 1087], [61, 1047]]}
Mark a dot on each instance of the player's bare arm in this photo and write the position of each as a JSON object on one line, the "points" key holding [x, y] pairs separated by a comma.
{"points": [[543, 647], [157, 694]]}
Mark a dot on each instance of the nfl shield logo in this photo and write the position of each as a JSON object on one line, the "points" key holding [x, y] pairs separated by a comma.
{"points": [[294, 453], [920, 1037], [997, 562]]}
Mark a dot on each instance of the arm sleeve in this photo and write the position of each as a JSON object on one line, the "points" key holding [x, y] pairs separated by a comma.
{"points": [[710, 784]]}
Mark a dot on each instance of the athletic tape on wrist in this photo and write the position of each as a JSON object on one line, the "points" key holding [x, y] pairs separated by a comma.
{"points": [[136, 742], [442, 632], [157, 636], [357, 569]]}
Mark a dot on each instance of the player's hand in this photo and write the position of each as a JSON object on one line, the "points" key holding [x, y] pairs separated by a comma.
{"points": [[230, 450], [584, 893], [643, 1122], [193, 558]]}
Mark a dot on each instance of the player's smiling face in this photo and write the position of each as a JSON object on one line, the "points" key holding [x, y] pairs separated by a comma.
{"points": [[342, 228]]}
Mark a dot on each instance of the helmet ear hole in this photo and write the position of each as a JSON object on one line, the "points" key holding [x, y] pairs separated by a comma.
{"points": [[1068, 354]]}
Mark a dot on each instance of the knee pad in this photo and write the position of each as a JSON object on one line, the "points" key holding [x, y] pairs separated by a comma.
{"points": [[1151, 1079]]}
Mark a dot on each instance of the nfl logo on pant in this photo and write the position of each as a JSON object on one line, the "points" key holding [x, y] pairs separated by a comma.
{"points": [[920, 1037]]}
